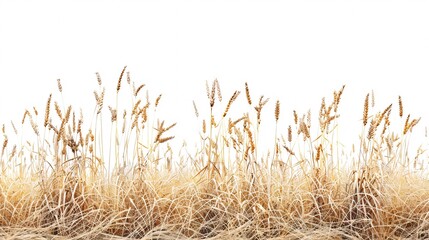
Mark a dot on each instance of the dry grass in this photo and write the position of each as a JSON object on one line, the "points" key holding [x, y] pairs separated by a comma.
{"points": [[69, 182]]}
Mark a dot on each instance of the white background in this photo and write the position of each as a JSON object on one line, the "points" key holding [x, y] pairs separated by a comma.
{"points": [[294, 51]]}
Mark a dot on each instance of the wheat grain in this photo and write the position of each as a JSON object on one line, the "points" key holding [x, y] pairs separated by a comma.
{"points": [[204, 126], [230, 126], [213, 121], [162, 140], [372, 129], [114, 114], [5, 142], [60, 87], [138, 89], [249, 99], [13, 152], [289, 150], [207, 90], [128, 78], [365, 110], [169, 127], [322, 109], [74, 122], [410, 126], [319, 150], [98, 78], [337, 98], [406, 125], [157, 100], [33, 124], [295, 117], [135, 108], [58, 110], [118, 87], [195, 109], [14, 128], [213, 94], [250, 137], [25, 114], [277, 111], [309, 118], [231, 100], [385, 113], [304, 129], [36, 113], [219, 94], [258, 108], [100, 102], [47, 110], [61, 133], [289, 134], [401, 109]]}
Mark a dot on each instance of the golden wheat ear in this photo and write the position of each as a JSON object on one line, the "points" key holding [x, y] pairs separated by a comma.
{"points": [[365, 110], [47, 110], [401, 108], [118, 87], [249, 100], [277, 111]]}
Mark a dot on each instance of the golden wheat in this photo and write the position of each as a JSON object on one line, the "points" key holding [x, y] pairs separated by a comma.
{"points": [[67, 188]]}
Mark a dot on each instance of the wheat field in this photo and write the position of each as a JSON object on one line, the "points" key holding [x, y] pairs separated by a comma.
{"points": [[116, 174]]}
